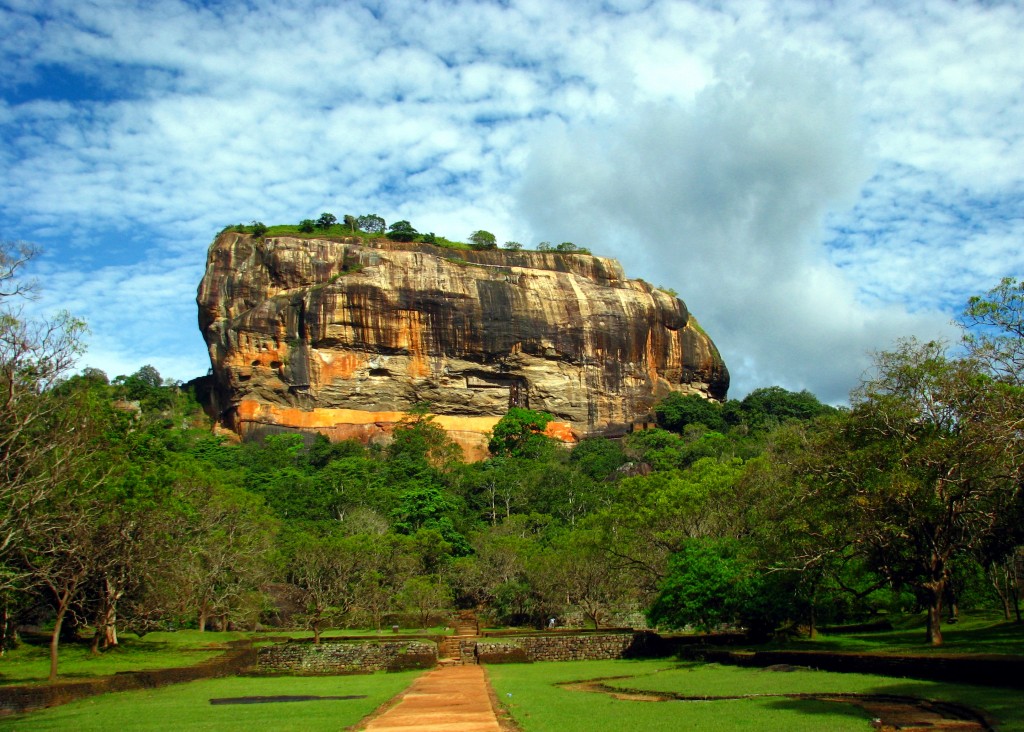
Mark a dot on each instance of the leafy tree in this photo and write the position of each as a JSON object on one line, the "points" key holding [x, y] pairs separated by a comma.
{"points": [[770, 406], [418, 439], [566, 246], [402, 231], [481, 239], [68, 537], [225, 538], [513, 246], [655, 515], [132, 546], [500, 487], [322, 452], [371, 224], [705, 586], [496, 574], [597, 457], [812, 541], [306, 226], [660, 449], [146, 387], [42, 431], [385, 566], [259, 229], [348, 483], [325, 571], [544, 246], [927, 464], [326, 221], [677, 410], [521, 433], [561, 491], [95, 376], [994, 329], [351, 222], [425, 595], [591, 578]]}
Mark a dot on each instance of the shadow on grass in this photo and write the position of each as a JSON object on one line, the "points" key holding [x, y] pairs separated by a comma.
{"points": [[972, 636], [890, 707], [890, 711]]}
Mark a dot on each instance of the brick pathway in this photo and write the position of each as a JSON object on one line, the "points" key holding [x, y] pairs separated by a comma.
{"points": [[449, 699]]}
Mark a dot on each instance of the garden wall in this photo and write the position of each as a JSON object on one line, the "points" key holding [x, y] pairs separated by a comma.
{"points": [[557, 646], [301, 657]]}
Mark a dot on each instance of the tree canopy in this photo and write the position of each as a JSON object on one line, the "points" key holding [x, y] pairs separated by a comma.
{"points": [[122, 509], [481, 239]]}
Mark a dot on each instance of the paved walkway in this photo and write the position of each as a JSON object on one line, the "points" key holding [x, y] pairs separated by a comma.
{"points": [[449, 699]]}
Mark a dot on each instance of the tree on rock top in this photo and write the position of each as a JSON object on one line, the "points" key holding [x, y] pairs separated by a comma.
{"points": [[483, 240], [402, 231], [371, 224]]}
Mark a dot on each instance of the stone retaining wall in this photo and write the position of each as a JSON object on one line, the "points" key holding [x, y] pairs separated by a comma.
{"points": [[571, 647], [332, 657]]}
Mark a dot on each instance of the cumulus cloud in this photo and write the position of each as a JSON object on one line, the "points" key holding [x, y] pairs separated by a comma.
{"points": [[725, 199], [814, 179]]}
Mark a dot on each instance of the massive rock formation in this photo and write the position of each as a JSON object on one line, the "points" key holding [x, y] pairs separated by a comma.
{"points": [[343, 337]]}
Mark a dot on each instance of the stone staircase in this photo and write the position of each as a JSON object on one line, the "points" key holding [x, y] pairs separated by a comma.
{"points": [[449, 650]]}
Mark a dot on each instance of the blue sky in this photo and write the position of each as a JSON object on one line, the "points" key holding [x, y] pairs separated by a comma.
{"points": [[816, 179]]}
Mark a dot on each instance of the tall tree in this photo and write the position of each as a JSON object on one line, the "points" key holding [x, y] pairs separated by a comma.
{"points": [[994, 329], [927, 463], [63, 539], [225, 536], [325, 571], [46, 468]]}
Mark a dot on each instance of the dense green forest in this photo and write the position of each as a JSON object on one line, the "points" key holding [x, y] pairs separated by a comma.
{"points": [[121, 509]]}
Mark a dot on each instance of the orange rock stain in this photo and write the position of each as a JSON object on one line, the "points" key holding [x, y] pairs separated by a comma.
{"points": [[470, 433], [337, 366], [411, 335]]}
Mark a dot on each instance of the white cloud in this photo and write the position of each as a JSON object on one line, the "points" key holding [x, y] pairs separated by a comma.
{"points": [[813, 179], [724, 199]]}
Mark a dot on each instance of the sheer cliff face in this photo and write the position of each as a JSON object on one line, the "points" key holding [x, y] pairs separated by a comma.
{"points": [[343, 338]]}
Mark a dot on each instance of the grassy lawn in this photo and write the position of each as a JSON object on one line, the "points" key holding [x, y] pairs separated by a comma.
{"points": [[973, 634], [30, 662], [532, 696], [187, 706]]}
